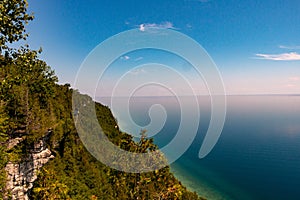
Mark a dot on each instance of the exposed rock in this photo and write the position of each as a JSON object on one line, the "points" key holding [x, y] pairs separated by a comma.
{"points": [[20, 177], [13, 142]]}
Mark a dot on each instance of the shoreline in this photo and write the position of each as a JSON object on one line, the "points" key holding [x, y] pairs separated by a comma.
{"points": [[201, 184], [202, 188]]}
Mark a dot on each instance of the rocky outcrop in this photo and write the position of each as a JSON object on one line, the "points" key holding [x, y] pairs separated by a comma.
{"points": [[21, 176]]}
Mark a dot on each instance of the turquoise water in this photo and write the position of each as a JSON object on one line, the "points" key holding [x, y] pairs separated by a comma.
{"points": [[258, 153]]}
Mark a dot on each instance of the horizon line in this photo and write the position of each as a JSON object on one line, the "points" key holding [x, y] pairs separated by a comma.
{"points": [[203, 95]]}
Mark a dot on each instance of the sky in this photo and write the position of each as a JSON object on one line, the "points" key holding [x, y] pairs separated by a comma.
{"points": [[254, 44]]}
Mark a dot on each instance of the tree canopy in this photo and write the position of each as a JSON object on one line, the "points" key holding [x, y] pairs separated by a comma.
{"points": [[13, 18]]}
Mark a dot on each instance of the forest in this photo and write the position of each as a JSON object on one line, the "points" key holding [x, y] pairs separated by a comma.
{"points": [[33, 104]]}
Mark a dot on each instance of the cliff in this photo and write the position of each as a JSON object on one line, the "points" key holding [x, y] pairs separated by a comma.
{"points": [[40, 164], [21, 176], [56, 165]]}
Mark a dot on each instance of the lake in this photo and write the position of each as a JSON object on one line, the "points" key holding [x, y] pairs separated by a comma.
{"points": [[256, 157]]}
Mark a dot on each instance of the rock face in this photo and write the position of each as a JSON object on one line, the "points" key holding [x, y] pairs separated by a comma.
{"points": [[20, 177]]}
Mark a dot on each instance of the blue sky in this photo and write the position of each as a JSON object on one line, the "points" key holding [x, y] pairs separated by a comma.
{"points": [[255, 44]]}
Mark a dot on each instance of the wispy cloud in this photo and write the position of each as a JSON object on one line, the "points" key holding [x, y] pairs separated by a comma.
{"points": [[139, 58], [168, 25], [137, 71], [294, 78], [289, 47], [189, 26], [290, 85], [279, 57], [125, 57]]}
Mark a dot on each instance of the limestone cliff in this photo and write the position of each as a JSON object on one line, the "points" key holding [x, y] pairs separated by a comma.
{"points": [[21, 176]]}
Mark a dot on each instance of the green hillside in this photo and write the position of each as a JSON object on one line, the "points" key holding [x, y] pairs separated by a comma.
{"points": [[34, 106]]}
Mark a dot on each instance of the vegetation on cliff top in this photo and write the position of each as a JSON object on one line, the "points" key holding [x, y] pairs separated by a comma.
{"points": [[32, 103]]}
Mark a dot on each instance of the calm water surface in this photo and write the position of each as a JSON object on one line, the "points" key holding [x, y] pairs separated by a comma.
{"points": [[256, 157]]}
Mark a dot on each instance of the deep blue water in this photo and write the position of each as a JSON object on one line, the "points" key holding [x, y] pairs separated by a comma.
{"points": [[256, 157]]}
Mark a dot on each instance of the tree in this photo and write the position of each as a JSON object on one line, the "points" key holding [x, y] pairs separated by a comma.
{"points": [[31, 102], [13, 18], [51, 189], [3, 137], [27, 85]]}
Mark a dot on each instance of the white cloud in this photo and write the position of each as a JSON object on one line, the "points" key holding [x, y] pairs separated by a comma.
{"points": [[279, 57], [125, 57], [168, 25], [142, 27], [289, 47]]}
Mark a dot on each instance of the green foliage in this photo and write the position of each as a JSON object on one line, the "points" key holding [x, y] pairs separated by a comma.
{"points": [[13, 17], [50, 188], [32, 103], [27, 85], [87, 178], [3, 137], [3, 123]]}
